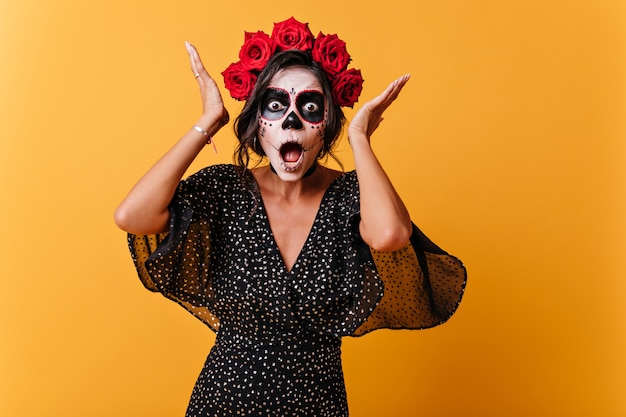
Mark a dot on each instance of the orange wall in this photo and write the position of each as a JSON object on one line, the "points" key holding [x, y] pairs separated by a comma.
{"points": [[508, 146]]}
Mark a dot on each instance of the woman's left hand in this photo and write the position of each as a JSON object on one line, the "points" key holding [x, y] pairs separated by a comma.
{"points": [[368, 118]]}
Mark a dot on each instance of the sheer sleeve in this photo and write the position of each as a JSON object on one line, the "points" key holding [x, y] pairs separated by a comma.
{"points": [[176, 263], [354, 290], [422, 286], [343, 288]]}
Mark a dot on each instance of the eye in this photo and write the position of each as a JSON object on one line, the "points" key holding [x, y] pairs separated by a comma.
{"points": [[310, 104], [275, 106], [310, 107]]}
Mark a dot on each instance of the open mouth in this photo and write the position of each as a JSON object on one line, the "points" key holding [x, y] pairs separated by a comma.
{"points": [[291, 155]]}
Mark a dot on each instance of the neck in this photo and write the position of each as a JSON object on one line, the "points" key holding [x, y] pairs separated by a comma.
{"points": [[290, 190], [308, 172]]}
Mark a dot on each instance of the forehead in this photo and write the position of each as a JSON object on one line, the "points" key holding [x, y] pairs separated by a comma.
{"points": [[295, 78]]}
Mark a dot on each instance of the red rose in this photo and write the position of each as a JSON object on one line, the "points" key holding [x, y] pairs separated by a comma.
{"points": [[256, 51], [292, 34], [239, 81], [331, 53], [347, 86]]}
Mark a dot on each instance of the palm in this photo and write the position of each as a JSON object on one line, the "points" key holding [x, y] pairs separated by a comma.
{"points": [[212, 103], [368, 118]]}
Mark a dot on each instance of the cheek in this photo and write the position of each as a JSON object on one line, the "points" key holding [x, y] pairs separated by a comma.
{"points": [[263, 126], [318, 128]]}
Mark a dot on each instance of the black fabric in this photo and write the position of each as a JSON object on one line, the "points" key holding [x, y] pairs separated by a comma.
{"points": [[220, 262]]}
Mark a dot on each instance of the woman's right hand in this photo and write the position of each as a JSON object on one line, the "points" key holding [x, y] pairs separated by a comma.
{"points": [[145, 208], [212, 103]]}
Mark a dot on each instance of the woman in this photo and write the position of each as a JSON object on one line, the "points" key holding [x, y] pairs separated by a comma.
{"points": [[283, 259]]}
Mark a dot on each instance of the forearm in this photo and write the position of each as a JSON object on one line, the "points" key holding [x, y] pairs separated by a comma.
{"points": [[145, 208], [385, 221]]}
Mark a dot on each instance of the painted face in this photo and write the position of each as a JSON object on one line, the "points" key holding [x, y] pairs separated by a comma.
{"points": [[292, 122]]}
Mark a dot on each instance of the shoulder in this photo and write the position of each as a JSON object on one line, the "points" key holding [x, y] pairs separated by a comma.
{"points": [[213, 188], [215, 171], [209, 182], [220, 175], [344, 193], [346, 183]]}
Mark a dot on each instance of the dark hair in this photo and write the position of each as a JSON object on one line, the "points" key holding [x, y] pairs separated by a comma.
{"points": [[246, 124]]}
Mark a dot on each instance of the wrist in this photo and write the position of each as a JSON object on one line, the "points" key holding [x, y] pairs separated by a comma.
{"points": [[210, 124], [358, 140]]}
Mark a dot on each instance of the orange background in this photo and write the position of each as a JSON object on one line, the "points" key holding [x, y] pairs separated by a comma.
{"points": [[508, 146]]}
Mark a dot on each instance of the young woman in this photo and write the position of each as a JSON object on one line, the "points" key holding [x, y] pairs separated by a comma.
{"points": [[284, 257]]}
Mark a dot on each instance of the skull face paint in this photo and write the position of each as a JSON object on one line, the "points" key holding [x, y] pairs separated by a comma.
{"points": [[310, 105], [292, 120]]}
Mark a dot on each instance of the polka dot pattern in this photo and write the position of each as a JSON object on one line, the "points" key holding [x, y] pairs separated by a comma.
{"points": [[277, 350]]}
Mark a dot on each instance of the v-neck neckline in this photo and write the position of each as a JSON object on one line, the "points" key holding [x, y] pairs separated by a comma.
{"points": [[267, 227]]}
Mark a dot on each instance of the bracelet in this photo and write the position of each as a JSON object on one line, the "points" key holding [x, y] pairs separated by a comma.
{"points": [[206, 134]]}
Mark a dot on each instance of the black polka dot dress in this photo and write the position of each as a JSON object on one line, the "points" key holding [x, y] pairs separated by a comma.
{"points": [[277, 350]]}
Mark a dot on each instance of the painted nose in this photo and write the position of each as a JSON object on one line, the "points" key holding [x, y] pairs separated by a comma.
{"points": [[292, 121]]}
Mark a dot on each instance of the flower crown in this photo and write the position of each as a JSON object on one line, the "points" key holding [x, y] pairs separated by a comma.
{"points": [[327, 50]]}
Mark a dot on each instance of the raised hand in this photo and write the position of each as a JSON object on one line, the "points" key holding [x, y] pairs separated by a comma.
{"points": [[385, 222], [368, 118], [145, 208], [212, 103]]}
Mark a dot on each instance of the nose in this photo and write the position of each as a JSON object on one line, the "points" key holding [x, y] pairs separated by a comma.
{"points": [[292, 121]]}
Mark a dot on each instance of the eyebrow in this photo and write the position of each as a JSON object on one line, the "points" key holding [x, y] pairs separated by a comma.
{"points": [[311, 92], [273, 91]]}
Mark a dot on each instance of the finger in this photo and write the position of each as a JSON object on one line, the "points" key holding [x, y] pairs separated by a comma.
{"points": [[379, 105], [396, 87], [196, 63], [190, 52], [384, 100]]}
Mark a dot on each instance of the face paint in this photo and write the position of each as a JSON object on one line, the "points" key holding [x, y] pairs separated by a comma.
{"points": [[310, 105], [292, 120]]}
